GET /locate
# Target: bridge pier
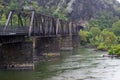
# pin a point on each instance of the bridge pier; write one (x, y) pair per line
(66, 43)
(69, 42)
(45, 47)
(16, 56)
(22, 55)
(75, 41)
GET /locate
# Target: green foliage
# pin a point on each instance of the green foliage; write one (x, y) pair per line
(60, 16)
(114, 50)
(83, 36)
(102, 47)
(36, 7)
(108, 37)
(94, 35)
(12, 5)
(101, 39)
(51, 11)
(117, 9)
(105, 20)
(20, 4)
(15, 20)
(32, 5)
(95, 41)
(3, 19)
(116, 28)
(118, 39)
(1, 6)
(95, 31)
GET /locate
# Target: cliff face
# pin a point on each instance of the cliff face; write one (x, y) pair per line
(78, 10)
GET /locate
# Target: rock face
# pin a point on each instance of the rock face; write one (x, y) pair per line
(78, 10)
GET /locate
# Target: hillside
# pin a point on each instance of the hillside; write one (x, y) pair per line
(82, 10)
(76, 10)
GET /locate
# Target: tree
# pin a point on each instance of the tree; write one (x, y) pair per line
(95, 32)
(108, 37)
(3, 19)
(60, 16)
(104, 20)
(83, 36)
(116, 28)
(19, 5)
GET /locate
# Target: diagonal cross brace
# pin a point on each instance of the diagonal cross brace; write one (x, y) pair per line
(8, 20)
(31, 23)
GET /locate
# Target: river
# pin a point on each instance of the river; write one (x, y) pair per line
(80, 64)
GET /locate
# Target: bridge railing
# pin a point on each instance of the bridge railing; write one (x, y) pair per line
(45, 25)
(36, 24)
(17, 23)
(13, 30)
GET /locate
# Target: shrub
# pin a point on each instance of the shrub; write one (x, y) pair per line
(114, 50)
(116, 28)
(102, 47)
(83, 36)
(3, 19)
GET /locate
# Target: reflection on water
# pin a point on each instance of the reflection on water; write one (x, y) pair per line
(82, 64)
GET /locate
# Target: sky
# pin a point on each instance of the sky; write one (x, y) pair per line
(118, 0)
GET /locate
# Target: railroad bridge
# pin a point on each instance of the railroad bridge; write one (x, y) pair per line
(28, 34)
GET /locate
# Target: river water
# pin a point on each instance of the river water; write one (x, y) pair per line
(80, 64)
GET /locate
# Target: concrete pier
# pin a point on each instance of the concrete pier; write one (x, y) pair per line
(75, 41)
(16, 56)
(66, 43)
(23, 55)
(45, 47)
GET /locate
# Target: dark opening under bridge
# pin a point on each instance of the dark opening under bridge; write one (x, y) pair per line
(44, 30)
